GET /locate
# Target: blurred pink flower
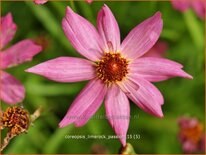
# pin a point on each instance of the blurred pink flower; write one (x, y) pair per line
(158, 50)
(44, 1)
(89, 1)
(40, 1)
(12, 91)
(191, 135)
(197, 5)
(117, 71)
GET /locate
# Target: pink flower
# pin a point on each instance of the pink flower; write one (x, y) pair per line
(89, 1)
(197, 5)
(117, 71)
(12, 91)
(44, 1)
(40, 1)
(158, 50)
(191, 135)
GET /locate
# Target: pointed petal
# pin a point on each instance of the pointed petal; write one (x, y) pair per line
(141, 39)
(65, 69)
(108, 29)
(118, 111)
(82, 35)
(91, 95)
(21, 52)
(91, 110)
(12, 91)
(8, 30)
(147, 96)
(157, 69)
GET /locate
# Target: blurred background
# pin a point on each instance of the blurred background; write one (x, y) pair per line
(183, 39)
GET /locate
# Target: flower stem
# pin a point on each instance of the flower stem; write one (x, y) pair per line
(73, 6)
(128, 149)
(7, 139)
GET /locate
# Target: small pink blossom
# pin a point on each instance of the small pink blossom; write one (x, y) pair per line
(12, 91)
(117, 71)
(191, 135)
(158, 50)
(197, 5)
(44, 1)
(89, 1)
(40, 1)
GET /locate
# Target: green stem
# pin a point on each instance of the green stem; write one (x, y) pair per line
(128, 149)
(73, 6)
(194, 28)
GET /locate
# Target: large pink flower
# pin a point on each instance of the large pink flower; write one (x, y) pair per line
(117, 71)
(197, 5)
(12, 91)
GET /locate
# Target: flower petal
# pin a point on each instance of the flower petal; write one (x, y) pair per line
(108, 29)
(86, 102)
(8, 30)
(147, 96)
(91, 110)
(118, 111)
(157, 69)
(65, 69)
(141, 39)
(21, 52)
(82, 35)
(12, 91)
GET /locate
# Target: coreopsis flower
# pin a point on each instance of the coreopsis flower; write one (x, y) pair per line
(116, 71)
(191, 135)
(12, 91)
(197, 5)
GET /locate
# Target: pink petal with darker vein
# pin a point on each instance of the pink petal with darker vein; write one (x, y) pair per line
(8, 30)
(157, 69)
(108, 29)
(65, 69)
(82, 35)
(141, 39)
(21, 52)
(12, 91)
(147, 96)
(118, 111)
(86, 103)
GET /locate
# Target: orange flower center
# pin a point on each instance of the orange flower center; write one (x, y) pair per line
(193, 133)
(16, 119)
(112, 68)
